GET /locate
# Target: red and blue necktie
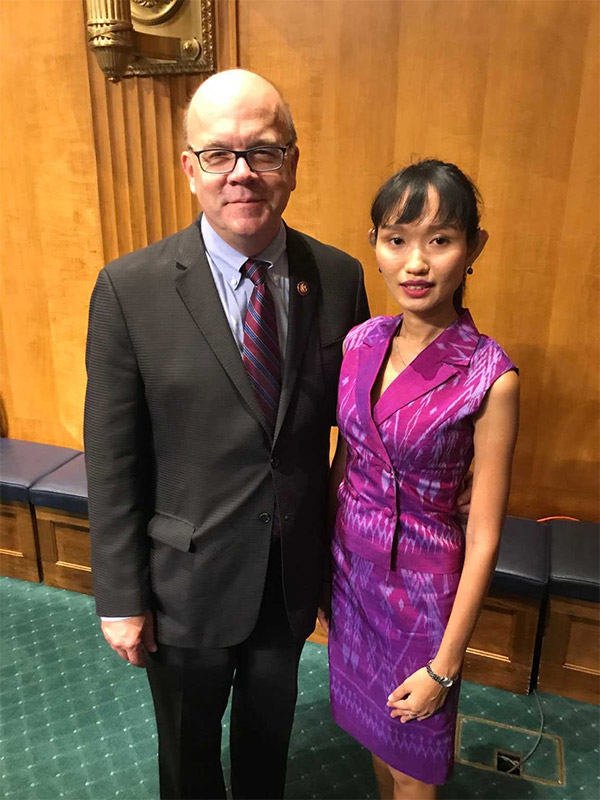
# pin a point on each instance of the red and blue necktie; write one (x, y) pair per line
(260, 353)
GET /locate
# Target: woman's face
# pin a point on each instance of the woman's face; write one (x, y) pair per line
(423, 262)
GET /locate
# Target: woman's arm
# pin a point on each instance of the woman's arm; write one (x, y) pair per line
(336, 475)
(496, 428)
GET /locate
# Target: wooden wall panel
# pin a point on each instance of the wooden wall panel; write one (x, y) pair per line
(138, 127)
(51, 234)
(90, 170)
(566, 451)
(138, 133)
(509, 91)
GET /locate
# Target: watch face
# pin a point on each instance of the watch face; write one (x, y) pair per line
(447, 682)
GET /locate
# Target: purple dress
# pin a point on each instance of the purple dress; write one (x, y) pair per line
(398, 548)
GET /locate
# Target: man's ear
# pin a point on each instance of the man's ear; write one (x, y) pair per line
(187, 164)
(372, 236)
(294, 157)
(480, 243)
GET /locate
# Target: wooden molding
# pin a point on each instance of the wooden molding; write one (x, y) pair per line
(65, 550)
(226, 21)
(19, 552)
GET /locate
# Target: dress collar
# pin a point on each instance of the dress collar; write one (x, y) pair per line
(455, 345)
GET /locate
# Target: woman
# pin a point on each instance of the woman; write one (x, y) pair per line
(420, 394)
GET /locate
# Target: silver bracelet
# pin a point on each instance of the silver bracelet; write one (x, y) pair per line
(441, 679)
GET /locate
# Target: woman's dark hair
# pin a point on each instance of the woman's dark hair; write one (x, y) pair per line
(403, 199)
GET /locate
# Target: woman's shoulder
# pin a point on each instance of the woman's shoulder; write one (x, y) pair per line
(374, 328)
(491, 359)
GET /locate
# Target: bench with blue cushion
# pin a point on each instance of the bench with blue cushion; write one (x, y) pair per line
(570, 660)
(22, 464)
(60, 502)
(503, 649)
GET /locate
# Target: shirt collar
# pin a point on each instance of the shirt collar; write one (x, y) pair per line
(229, 261)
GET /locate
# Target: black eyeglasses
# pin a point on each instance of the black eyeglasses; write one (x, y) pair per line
(267, 158)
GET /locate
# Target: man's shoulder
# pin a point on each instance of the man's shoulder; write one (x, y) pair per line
(156, 257)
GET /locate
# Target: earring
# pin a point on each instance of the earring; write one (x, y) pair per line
(379, 269)
(469, 270)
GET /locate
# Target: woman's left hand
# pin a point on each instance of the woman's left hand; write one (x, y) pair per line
(418, 697)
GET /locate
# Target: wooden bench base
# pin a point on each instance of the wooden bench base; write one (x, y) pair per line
(19, 556)
(570, 660)
(65, 549)
(501, 650)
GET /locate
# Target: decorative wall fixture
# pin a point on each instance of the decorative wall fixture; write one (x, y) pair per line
(151, 37)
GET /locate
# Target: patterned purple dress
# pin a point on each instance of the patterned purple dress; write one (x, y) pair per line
(398, 549)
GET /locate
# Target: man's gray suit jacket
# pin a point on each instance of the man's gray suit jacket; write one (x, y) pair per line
(184, 479)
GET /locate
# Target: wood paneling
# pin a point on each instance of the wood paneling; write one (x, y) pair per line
(509, 91)
(51, 234)
(90, 171)
(19, 557)
(501, 650)
(570, 660)
(64, 550)
(138, 129)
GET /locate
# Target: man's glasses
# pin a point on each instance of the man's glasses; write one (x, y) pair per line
(259, 159)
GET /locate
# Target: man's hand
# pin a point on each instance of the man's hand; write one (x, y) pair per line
(323, 617)
(324, 610)
(463, 501)
(131, 638)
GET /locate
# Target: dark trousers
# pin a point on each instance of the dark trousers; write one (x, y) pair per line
(190, 688)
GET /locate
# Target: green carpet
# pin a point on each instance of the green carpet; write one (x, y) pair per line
(77, 722)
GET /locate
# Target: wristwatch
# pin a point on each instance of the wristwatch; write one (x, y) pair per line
(441, 679)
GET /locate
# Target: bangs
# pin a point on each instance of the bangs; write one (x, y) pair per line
(404, 198)
(415, 205)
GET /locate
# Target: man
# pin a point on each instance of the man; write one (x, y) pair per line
(213, 359)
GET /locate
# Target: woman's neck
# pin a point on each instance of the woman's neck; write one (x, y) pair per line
(421, 328)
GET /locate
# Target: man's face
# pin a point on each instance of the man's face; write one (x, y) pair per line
(243, 207)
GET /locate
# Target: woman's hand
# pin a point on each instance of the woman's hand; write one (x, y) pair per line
(418, 697)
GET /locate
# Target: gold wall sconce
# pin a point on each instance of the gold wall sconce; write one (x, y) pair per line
(151, 37)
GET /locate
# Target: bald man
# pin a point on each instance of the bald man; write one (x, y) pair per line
(207, 486)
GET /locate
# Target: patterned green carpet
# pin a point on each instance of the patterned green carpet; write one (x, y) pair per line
(77, 722)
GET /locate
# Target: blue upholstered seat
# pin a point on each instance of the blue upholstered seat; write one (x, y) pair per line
(575, 559)
(523, 561)
(64, 489)
(24, 463)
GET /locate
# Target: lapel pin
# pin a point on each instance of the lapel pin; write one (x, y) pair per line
(303, 288)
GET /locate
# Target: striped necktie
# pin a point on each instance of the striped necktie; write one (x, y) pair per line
(260, 353)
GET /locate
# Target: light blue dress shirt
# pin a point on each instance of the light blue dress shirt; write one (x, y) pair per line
(234, 290)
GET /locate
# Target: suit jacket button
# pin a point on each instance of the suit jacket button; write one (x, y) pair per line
(274, 462)
(264, 517)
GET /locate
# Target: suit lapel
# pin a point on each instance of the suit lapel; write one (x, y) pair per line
(447, 356)
(304, 297)
(196, 287)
